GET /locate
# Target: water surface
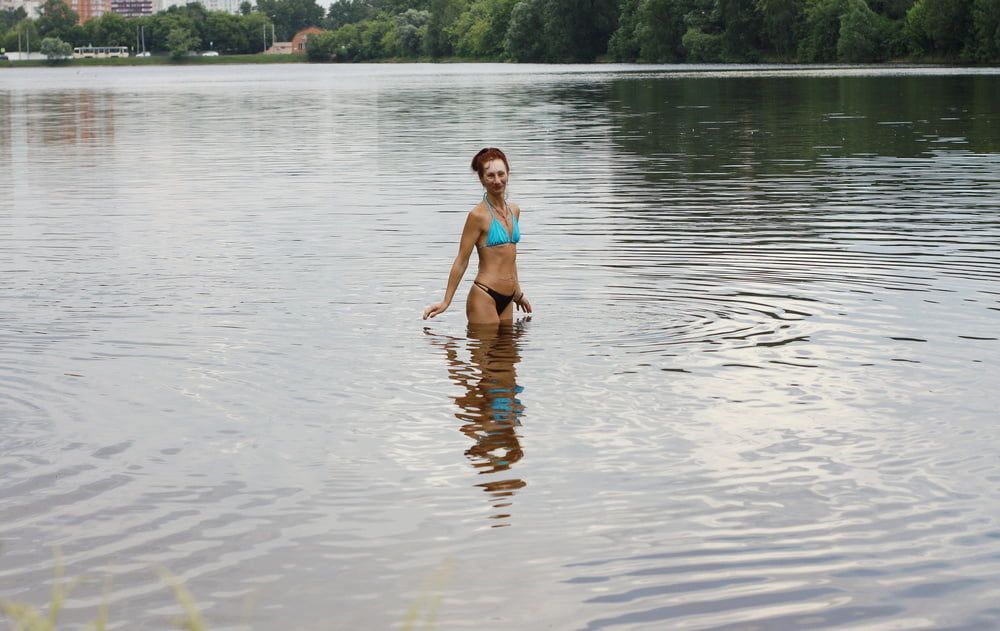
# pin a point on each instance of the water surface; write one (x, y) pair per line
(758, 391)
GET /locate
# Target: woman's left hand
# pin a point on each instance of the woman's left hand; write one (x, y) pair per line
(523, 304)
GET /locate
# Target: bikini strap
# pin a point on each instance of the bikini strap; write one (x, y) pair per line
(489, 205)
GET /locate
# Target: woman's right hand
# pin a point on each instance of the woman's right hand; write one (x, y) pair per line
(435, 309)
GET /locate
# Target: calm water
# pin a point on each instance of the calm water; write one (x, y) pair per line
(759, 391)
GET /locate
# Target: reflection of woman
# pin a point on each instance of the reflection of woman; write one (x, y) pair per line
(489, 406)
(492, 228)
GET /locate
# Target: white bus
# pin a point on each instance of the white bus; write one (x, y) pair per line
(99, 52)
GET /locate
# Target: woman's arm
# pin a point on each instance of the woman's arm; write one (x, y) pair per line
(470, 234)
(519, 299)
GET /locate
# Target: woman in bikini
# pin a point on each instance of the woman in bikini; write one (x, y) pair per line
(492, 230)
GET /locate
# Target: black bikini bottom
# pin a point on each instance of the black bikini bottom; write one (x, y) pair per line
(500, 300)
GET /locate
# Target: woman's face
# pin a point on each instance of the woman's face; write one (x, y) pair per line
(494, 177)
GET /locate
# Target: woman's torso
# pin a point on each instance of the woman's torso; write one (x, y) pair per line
(497, 247)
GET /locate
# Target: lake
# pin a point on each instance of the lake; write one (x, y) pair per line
(759, 389)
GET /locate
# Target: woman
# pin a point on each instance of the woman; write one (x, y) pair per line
(492, 229)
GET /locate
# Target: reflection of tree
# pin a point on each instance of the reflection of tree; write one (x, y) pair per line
(489, 407)
(766, 149)
(781, 125)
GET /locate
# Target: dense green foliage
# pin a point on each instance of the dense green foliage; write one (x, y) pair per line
(55, 49)
(820, 31)
(852, 31)
(290, 16)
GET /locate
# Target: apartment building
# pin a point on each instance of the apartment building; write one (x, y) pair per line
(88, 9)
(132, 8)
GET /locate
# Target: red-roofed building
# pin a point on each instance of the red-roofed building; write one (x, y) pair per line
(302, 37)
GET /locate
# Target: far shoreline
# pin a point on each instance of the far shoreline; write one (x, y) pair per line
(267, 59)
(157, 60)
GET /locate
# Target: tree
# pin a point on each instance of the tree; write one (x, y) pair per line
(892, 9)
(344, 12)
(701, 47)
(821, 30)
(439, 35)
(180, 42)
(862, 34)
(661, 29)
(56, 20)
(226, 33)
(470, 30)
(194, 10)
(480, 30)
(246, 8)
(915, 28)
(939, 26)
(781, 22)
(196, 16)
(370, 39)
(291, 16)
(411, 31)
(55, 49)
(110, 29)
(322, 47)
(947, 24)
(395, 7)
(986, 25)
(578, 30)
(159, 25)
(254, 27)
(624, 42)
(498, 14)
(371, 36)
(10, 17)
(25, 32)
(523, 41)
(741, 34)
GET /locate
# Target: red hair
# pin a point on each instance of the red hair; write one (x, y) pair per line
(485, 156)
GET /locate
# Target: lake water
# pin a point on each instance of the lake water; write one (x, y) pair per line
(759, 389)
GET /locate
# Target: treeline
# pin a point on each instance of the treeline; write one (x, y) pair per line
(853, 31)
(808, 31)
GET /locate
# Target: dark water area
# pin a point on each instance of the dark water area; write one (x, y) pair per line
(759, 390)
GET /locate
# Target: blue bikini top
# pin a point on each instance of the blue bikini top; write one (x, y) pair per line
(498, 233)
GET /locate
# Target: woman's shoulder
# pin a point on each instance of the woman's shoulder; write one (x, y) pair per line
(516, 207)
(479, 214)
(479, 210)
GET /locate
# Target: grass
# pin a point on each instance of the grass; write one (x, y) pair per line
(421, 614)
(27, 618)
(192, 620)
